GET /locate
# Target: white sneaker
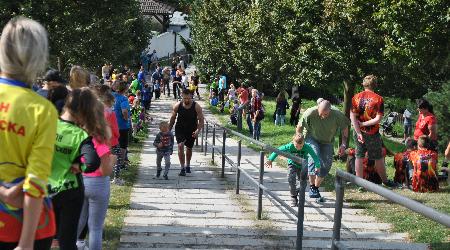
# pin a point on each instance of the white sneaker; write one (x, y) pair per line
(81, 245)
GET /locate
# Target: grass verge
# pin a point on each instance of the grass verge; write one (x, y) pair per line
(119, 201)
(419, 228)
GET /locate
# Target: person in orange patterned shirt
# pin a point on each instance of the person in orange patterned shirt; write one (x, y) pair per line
(366, 113)
(424, 162)
(402, 164)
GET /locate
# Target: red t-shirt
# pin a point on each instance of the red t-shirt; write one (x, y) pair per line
(243, 95)
(111, 118)
(422, 125)
(367, 105)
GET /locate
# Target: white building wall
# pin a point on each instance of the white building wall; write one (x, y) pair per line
(164, 43)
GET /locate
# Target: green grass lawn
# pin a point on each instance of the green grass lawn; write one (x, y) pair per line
(120, 197)
(419, 228)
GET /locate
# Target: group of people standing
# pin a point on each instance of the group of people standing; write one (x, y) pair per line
(61, 144)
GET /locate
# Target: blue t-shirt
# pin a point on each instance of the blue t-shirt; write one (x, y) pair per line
(146, 94)
(156, 76)
(141, 76)
(121, 103)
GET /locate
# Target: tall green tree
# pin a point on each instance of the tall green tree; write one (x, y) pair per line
(86, 32)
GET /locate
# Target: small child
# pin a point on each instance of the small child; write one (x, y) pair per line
(157, 89)
(299, 148)
(164, 147)
(234, 112)
(213, 99)
(146, 98)
(424, 161)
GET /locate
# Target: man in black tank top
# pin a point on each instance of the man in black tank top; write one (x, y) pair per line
(189, 122)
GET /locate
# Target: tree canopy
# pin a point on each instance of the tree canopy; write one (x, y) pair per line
(85, 32)
(330, 44)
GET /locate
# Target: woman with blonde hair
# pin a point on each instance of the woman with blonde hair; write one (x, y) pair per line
(26, 213)
(78, 78)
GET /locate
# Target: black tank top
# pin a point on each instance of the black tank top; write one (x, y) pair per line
(186, 118)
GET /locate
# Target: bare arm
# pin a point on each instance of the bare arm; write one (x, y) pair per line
(31, 216)
(200, 117)
(447, 152)
(373, 121)
(299, 129)
(355, 123)
(174, 115)
(106, 164)
(433, 132)
(344, 135)
(125, 114)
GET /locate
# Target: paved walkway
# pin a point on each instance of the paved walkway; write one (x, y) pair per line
(201, 211)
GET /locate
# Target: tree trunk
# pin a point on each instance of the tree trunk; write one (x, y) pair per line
(349, 91)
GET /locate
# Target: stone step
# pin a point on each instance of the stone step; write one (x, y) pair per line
(232, 222)
(274, 215)
(210, 242)
(137, 205)
(229, 232)
(251, 243)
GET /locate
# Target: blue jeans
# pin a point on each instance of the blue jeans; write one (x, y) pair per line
(279, 120)
(325, 153)
(96, 200)
(256, 130)
(249, 124)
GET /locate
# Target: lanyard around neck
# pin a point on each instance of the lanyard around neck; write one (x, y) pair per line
(13, 82)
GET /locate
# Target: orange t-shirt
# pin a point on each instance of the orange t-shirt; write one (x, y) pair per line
(367, 105)
(422, 124)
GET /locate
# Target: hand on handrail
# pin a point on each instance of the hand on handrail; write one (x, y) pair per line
(268, 164)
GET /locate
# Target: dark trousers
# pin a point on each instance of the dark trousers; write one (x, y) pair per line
(67, 206)
(176, 90)
(43, 244)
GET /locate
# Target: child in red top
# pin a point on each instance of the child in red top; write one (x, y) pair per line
(424, 162)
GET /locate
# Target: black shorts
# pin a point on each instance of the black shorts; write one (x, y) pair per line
(185, 136)
(123, 138)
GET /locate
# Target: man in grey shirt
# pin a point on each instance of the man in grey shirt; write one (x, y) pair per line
(319, 125)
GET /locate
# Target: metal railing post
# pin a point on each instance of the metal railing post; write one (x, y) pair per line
(206, 138)
(239, 120)
(213, 142)
(261, 180)
(238, 171)
(301, 206)
(338, 212)
(203, 131)
(224, 138)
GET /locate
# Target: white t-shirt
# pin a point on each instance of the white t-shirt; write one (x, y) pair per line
(184, 81)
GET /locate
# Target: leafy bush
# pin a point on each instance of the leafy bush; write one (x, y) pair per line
(440, 100)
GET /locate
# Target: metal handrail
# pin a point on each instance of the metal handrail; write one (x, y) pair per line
(413, 205)
(262, 190)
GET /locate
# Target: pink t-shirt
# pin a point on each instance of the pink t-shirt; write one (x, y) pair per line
(111, 118)
(102, 150)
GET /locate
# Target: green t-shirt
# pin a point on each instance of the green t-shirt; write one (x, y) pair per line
(323, 130)
(303, 153)
(135, 86)
(69, 138)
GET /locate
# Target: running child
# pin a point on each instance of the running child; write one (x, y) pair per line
(164, 148)
(299, 148)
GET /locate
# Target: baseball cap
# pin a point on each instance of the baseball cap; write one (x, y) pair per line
(54, 75)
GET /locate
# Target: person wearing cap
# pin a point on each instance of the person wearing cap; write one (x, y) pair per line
(52, 79)
(319, 125)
